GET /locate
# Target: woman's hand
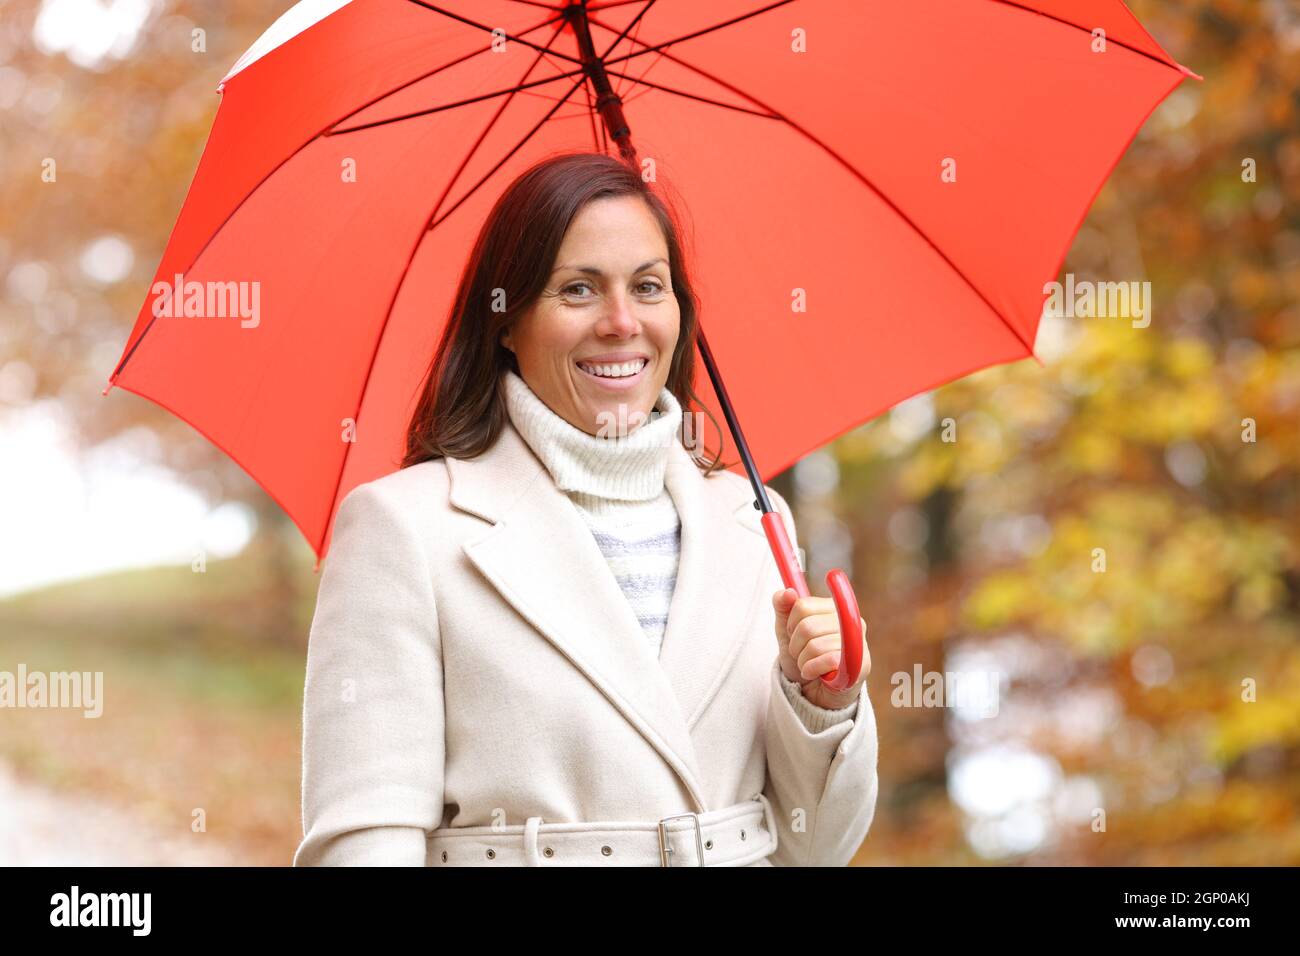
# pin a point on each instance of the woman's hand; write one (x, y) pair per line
(808, 638)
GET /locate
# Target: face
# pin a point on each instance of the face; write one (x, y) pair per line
(602, 333)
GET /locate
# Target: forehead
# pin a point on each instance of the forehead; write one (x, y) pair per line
(613, 230)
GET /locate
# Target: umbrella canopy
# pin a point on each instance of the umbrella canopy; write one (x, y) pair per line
(875, 194)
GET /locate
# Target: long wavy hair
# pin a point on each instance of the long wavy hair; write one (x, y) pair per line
(462, 406)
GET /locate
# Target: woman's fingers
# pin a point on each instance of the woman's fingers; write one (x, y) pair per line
(783, 602)
(805, 607)
(815, 645)
(809, 628)
(822, 655)
(817, 660)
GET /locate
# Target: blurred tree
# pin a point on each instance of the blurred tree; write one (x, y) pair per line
(1171, 452)
(124, 136)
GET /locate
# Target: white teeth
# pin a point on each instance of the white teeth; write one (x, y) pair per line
(622, 370)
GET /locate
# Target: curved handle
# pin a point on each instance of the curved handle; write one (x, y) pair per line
(846, 603)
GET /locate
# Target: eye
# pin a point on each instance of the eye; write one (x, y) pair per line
(655, 287)
(569, 289)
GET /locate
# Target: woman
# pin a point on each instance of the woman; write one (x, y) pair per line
(556, 636)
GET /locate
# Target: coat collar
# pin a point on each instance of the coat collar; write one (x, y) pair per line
(541, 556)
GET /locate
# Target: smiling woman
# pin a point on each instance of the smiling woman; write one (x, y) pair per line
(579, 264)
(613, 287)
(538, 643)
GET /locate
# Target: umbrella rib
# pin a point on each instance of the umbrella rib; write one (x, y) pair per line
(323, 132)
(493, 121)
(692, 96)
(1109, 39)
(864, 180)
(634, 22)
(438, 69)
(636, 81)
(510, 90)
(502, 161)
(543, 96)
(636, 32)
(666, 55)
(406, 270)
(637, 95)
(1010, 3)
(488, 29)
(691, 36)
(593, 21)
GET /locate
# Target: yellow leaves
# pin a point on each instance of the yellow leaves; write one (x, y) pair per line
(981, 447)
(1257, 370)
(1163, 412)
(1187, 359)
(1021, 406)
(930, 467)
(1096, 628)
(965, 447)
(1154, 412)
(861, 445)
(1257, 595)
(1244, 804)
(1071, 535)
(1272, 718)
(1137, 384)
(1135, 563)
(999, 599)
(1132, 510)
(1093, 452)
(1190, 565)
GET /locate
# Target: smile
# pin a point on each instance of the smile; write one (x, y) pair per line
(615, 375)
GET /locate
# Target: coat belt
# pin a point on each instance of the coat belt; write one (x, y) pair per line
(737, 835)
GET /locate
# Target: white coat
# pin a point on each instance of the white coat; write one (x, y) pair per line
(472, 662)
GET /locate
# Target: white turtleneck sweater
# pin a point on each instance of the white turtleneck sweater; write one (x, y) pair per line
(617, 485)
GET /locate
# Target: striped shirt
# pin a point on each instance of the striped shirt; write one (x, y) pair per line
(641, 544)
(617, 486)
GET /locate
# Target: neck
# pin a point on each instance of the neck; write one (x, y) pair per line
(627, 468)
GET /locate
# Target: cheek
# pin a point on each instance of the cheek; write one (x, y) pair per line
(564, 339)
(670, 331)
(548, 337)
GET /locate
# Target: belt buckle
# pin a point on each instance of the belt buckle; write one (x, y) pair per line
(665, 849)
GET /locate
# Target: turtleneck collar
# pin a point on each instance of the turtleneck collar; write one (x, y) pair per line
(630, 468)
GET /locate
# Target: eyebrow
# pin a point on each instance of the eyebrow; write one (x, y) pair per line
(593, 271)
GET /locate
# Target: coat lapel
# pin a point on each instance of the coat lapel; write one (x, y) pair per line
(542, 558)
(709, 618)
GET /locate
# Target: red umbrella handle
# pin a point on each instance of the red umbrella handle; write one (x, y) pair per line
(846, 603)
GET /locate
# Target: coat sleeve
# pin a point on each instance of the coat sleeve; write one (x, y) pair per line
(373, 744)
(813, 717)
(821, 769)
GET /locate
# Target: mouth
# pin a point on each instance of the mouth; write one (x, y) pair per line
(615, 376)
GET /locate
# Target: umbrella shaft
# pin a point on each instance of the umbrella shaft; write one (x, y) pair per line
(608, 103)
(755, 481)
(611, 111)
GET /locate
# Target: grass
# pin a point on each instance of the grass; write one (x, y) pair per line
(202, 696)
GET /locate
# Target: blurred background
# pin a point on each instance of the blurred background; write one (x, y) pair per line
(1115, 533)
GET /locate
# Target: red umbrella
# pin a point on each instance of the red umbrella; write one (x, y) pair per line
(877, 193)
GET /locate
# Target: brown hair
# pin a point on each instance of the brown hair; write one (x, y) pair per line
(462, 407)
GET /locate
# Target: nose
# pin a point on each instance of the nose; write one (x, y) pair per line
(617, 319)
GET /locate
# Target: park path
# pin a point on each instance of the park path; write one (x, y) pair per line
(43, 827)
